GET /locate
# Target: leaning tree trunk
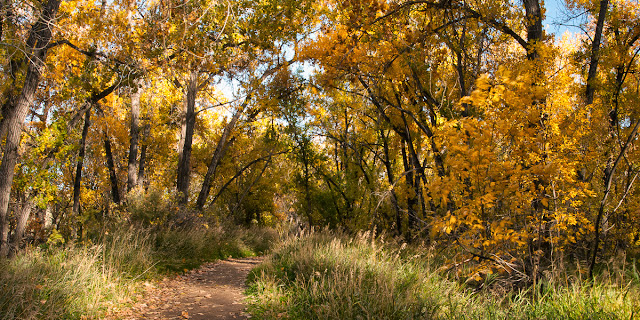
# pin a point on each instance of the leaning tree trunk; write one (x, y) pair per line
(218, 154)
(186, 138)
(608, 178)
(215, 160)
(37, 45)
(253, 183)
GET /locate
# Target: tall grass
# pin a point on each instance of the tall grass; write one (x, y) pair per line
(331, 276)
(87, 281)
(60, 284)
(180, 249)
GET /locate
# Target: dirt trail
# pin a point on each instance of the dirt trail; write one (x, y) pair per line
(213, 291)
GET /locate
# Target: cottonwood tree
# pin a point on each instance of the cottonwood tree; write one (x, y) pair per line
(29, 63)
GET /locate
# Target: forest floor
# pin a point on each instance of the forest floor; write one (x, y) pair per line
(213, 291)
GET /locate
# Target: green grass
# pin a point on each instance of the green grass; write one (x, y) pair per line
(331, 276)
(87, 281)
(325, 275)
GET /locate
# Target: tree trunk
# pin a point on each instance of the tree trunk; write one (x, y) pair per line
(391, 179)
(533, 20)
(307, 189)
(595, 51)
(253, 183)
(186, 138)
(39, 38)
(77, 179)
(134, 138)
(3, 8)
(21, 226)
(419, 174)
(143, 158)
(115, 192)
(412, 201)
(7, 113)
(221, 147)
(218, 154)
(608, 178)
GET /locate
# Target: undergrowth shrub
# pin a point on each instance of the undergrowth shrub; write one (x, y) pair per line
(150, 207)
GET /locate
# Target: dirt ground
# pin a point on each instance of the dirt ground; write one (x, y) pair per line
(214, 291)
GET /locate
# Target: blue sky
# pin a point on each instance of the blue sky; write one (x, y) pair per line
(556, 12)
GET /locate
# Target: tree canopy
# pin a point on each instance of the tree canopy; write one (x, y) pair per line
(465, 124)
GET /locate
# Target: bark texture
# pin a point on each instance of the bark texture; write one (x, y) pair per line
(534, 26)
(134, 139)
(143, 158)
(186, 138)
(595, 51)
(21, 225)
(113, 178)
(78, 177)
(39, 39)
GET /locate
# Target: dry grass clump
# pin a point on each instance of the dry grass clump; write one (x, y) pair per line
(328, 275)
(88, 280)
(61, 284)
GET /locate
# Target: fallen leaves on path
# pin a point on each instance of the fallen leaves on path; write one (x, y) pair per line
(214, 291)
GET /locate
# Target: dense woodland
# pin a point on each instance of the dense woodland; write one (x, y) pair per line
(461, 124)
